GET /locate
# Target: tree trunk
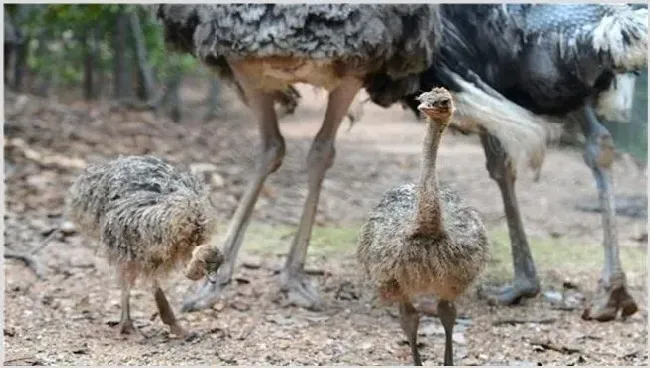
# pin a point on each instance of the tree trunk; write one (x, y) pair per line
(8, 49)
(174, 96)
(213, 99)
(170, 101)
(46, 77)
(20, 64)
(145, 72)
(100, 68)
(122, 86)
(14, 43)
(87, 40)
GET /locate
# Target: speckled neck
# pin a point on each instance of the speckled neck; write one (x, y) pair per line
(429, 214)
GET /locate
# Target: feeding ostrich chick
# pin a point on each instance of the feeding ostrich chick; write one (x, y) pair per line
(267, 47)
(149, 217)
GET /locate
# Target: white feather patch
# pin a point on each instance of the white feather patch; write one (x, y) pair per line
(608, 37)
(615, 104)
(522, 133)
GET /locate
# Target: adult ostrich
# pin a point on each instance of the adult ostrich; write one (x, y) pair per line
(264, 48)
(545, 63)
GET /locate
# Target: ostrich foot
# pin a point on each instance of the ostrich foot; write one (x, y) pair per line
(300, 292)
(181, 333)
(127, 328)
(607, 302)
(178, 331)
(514, 293)
(204, 298)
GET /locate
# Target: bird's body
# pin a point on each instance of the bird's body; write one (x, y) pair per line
(318, 44)
(401, 264)
(547, 58)
(147, 215)
(263, 49)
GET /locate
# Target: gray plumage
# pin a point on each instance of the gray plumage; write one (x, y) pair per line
(361, 39)
(422, 239)
(443, 265)
(149, 217)
(144, 211)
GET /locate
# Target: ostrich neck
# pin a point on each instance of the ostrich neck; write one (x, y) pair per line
(429, 212)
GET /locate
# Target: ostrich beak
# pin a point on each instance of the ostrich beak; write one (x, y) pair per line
(212, 277)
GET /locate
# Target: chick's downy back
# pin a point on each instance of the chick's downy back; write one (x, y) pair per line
(142, 209)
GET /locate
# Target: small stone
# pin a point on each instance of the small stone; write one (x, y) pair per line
(68, 228)
(217, 181)
(366, 345)
(459, 338)
(240, 306)
(554, 297)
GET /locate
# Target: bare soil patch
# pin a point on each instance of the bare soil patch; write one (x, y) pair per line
(66, 318)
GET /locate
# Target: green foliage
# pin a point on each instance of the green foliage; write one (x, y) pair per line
(59, 36)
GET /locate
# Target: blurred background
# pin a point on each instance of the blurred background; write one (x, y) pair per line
(95, 51)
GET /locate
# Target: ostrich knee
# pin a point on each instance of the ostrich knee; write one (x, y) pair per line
(599, 156)
(319, 160)
(498, 164)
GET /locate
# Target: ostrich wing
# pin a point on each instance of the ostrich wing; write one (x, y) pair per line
(615, 33)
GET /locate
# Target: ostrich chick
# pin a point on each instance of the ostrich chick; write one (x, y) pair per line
(422, 239)
(149, 217)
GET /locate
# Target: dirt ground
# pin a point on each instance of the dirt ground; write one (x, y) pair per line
(68, 317)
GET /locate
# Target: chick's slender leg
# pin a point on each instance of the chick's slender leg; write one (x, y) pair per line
(126, 326)
(526, 283)
(410, 320)
(447, 315)
(126, 323)
(612, 293)
(166, 312)
(319, 159)
(268, 161)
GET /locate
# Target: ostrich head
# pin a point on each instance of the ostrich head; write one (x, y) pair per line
(206, 259)
(437, 105)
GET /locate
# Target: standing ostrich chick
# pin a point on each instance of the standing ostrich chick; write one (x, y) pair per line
(264, 48)
(150, 217)
(423, 239)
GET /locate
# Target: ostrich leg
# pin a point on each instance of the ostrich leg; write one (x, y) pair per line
(612, 292)
(126, 326)
(525, 283)
(319, 159)
(410, 320)
(447, 312)
(165, 311)
(267, 162)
